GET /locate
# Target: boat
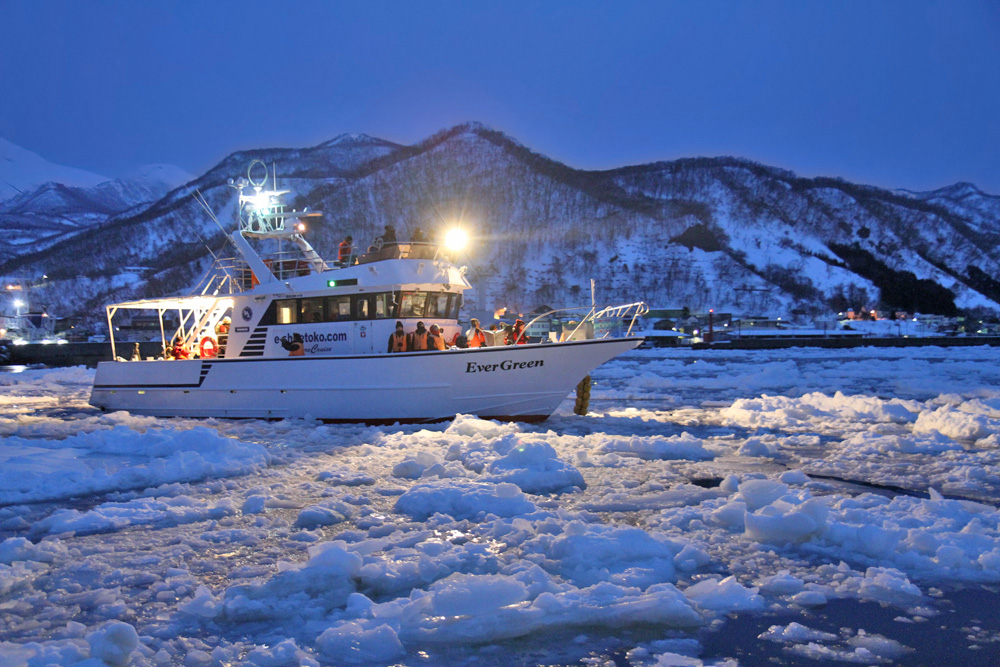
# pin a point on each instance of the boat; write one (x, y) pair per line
(286, 334)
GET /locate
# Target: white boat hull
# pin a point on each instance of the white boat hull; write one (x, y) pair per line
(521, 382)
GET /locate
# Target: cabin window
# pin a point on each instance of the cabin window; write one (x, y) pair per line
(413, 304)
(288, 311)
(311, 310)
(360, 307)
(437, 304)
(338, 308)
(383, 305)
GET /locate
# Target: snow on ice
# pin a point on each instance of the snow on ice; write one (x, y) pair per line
(700, 485)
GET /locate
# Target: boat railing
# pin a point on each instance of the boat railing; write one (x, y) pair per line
(637, 310)
(380, 251)
(235, 274)
(227, 275)
(619, 312)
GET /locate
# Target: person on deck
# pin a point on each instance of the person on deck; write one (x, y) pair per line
(435, 340)
(397, 339)
(516, 335)
(418, 338)
(419, 236)
(345, 250)
(475, 335)
(222, 334)
(179, 351)
(389, 236)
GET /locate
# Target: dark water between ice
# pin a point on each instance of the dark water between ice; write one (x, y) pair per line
(966, 632)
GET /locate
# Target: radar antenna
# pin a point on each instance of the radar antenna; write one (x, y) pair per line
(262, 214)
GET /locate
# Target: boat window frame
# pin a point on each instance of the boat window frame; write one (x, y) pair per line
(291, 306)
(312, 305)
(295, 308)
(334, 306)
(412, 304)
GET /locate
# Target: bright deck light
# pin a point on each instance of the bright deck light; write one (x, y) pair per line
(455, 239)
(262, 201)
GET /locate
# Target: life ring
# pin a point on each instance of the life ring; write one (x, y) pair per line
(208, 348)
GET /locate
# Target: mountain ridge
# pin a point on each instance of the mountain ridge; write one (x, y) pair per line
(723, 232)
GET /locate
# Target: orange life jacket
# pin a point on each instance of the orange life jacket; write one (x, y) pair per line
(398, 342)
(419, 340)
(436, 340)
(477, 339)
(519, 337)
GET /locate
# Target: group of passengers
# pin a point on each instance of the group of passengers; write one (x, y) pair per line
(512, 334)
(433, 339)
(417, 340)
(207, 348)
(346, 255)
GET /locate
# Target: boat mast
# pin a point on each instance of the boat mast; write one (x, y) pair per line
(262, 215)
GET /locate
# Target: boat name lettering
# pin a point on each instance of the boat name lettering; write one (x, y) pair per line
(314, 337)
(505, 365)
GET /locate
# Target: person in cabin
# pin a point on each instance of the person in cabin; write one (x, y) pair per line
(296, 346)
(418, 338)
(345, 250)
(419, 236)
(475, 335)
(518, 337)
(397, 339)
(435, 339)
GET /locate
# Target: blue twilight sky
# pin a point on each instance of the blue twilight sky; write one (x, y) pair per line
(895, 93)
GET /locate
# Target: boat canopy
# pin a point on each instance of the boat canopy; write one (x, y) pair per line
(197, 316)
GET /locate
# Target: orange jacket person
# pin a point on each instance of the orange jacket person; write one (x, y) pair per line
(435, 341)
(475, 334)
(344, 250)
(516, 336)
(418, 339)
(179, 351)
(397, 340)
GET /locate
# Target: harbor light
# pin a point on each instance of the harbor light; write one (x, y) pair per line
(455, 239)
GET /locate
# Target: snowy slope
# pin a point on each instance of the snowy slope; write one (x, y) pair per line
(719, 233)
(21, 171)
(37, 218)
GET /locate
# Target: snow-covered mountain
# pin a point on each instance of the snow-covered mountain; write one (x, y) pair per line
(719, 233)
(52, 203)
(21, 171)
